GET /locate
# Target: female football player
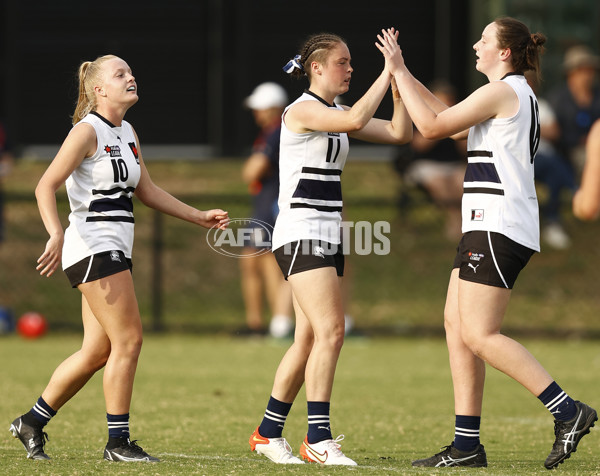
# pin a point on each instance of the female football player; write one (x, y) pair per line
(501, 232)
(102, 164)
(306, 238)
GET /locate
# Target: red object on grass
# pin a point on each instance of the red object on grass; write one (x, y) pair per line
(32, 325)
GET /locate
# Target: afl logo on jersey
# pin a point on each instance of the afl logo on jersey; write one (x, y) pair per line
(113, 150)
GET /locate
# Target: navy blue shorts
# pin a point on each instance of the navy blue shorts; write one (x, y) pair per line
(304, 255)
(98, 266)
(490, 258)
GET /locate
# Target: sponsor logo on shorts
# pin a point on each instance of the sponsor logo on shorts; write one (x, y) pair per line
(474, 267)
(319, 251)
(114, 256)
(476, 256)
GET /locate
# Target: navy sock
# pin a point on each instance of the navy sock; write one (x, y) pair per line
(319, 428)
(118, 425)
(42, 412)
(558, 402)
(274, 419)
(466, 432)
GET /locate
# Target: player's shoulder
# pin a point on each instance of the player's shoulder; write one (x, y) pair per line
(306, 101)
(499, 92)
(494, 87)
(82, 137)
(489, 96)
(83, 130)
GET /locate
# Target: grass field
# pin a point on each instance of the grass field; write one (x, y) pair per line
(198, 398)
(400, 293)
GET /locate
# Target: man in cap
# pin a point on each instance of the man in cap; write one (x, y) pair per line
(259, 270)
(577, 103)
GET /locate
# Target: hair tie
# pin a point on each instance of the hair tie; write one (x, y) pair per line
(293, 63)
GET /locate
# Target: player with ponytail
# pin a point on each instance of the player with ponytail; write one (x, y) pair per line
(501, 233)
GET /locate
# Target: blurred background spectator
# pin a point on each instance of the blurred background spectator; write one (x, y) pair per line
(554, 171)
(437, 166)
(210, 118)
(260, 274)
(576, 103)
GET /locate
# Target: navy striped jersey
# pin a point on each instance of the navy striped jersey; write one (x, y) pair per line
(100, 194)
(310, 191)
(499, 189)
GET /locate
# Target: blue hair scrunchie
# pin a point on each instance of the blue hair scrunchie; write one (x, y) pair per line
(293, 63)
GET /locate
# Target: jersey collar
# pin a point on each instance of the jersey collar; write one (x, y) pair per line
(104, 119)
(318, 98)
(510, 73)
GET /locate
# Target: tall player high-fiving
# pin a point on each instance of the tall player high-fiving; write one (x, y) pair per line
(500, 223)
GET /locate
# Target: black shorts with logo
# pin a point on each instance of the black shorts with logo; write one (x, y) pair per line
(98, 266)
(304, 255)
(490, 258)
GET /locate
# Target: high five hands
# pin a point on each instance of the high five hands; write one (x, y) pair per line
(388, 45)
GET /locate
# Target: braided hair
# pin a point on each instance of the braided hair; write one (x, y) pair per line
(315, 48)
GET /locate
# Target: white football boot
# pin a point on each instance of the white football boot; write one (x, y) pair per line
(325, 452)
(277, 450)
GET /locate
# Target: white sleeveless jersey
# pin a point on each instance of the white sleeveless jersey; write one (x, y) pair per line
(310, 191)
(499, 189)
(100, 192)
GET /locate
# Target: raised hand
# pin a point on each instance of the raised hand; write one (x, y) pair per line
(388, 45)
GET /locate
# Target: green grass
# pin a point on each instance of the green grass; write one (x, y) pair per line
(402, 292)
(198, 398)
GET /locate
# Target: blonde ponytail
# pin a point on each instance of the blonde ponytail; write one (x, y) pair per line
(90, 76)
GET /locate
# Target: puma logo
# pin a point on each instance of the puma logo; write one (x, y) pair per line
(474, 267)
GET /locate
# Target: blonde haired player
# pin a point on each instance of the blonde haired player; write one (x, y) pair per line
(102, 164)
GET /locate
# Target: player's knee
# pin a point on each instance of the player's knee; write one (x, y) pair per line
(135, 346)
(451, 325)
(129, 347)
(335, 338)
(474, 342)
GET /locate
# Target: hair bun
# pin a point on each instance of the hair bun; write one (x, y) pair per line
(538, 39)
